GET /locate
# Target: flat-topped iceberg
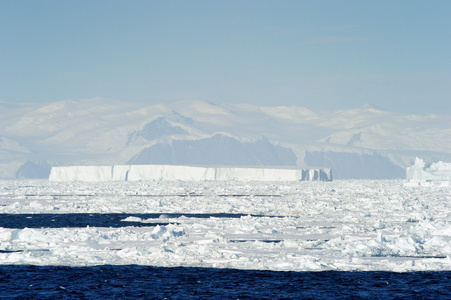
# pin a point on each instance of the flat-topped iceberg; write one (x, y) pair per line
(436, 171)
(185, 173)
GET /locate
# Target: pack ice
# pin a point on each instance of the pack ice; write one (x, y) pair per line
(344, 225)
(185, 173)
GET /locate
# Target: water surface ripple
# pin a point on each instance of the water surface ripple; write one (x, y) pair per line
(133, 281)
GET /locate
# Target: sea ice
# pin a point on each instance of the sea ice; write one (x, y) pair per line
(287, 226)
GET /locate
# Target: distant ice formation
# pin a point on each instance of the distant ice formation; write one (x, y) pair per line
(436, 171)
(185, 173)
(360, 143)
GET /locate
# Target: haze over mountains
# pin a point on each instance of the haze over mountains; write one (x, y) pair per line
(360, 143)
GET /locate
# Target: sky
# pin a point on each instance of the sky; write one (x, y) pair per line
(323, 55)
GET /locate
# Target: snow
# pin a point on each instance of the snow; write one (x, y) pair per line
(287, 225)
(102, 131)
(185, 173)
(436, 171)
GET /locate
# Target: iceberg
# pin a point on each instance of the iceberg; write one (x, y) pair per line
(436, 171)
(186, 173)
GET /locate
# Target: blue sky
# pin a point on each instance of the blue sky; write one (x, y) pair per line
(317, 54)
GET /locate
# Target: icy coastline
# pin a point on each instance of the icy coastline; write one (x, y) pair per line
(185, 173)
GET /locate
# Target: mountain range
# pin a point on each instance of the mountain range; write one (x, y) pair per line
(361, 143)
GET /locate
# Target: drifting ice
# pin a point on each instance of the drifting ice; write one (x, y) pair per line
(436, 171)
(185, 173)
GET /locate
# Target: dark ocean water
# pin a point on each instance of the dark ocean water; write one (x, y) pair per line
(94, 220)
(144, 282)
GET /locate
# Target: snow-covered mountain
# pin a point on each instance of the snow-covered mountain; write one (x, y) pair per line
(358, 143)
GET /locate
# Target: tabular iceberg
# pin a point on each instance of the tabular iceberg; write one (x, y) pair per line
(436, 171)
(185, 173)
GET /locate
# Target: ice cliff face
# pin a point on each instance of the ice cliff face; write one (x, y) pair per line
(184, 173)
(436, 171)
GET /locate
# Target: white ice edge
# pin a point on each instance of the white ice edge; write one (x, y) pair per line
(185, 173)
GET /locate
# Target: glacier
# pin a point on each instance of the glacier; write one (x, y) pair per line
(363, 143)
(186, 173)
(436, 171)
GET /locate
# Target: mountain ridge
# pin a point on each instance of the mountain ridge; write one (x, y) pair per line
(101, 131)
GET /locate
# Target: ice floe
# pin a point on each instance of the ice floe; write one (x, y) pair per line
(298, 226)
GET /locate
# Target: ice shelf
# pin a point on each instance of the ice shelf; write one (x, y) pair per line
(185, 173)
(436, 171)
